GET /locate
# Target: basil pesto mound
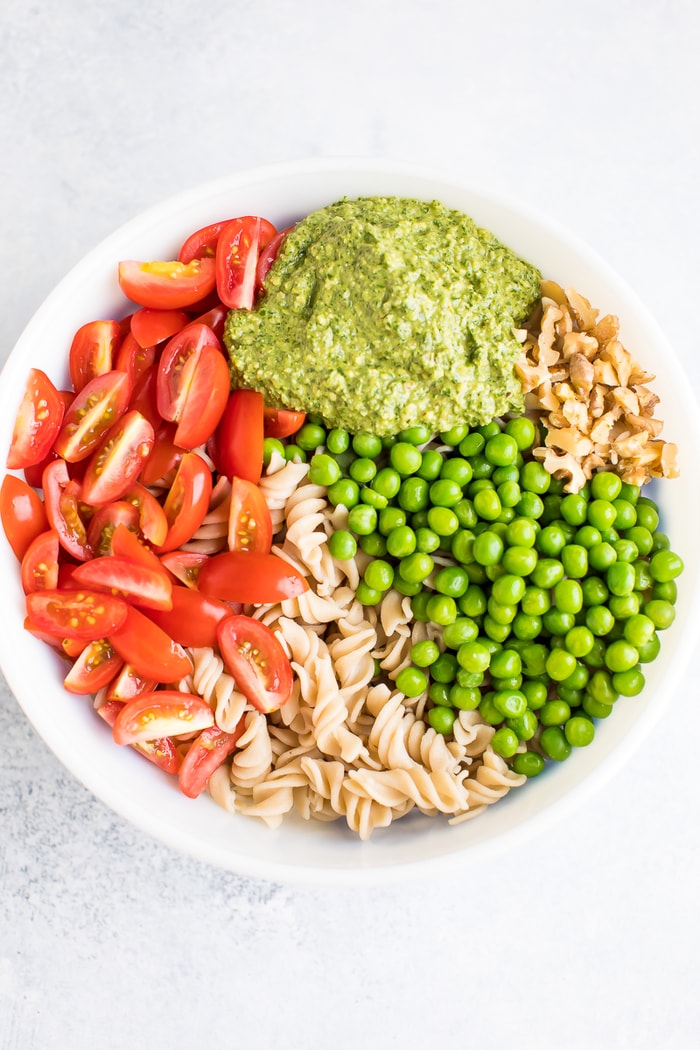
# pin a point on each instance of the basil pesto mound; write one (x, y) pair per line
(384, 312)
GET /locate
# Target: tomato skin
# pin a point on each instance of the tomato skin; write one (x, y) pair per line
(149, 650)
(250, 523)
(167, 285)
(135, 582)
(153, 523)
(150, 327)
(215, 318)
(165, 712)
(92, 351)
(128, 683)
(202, 242)
(98, 405)
(282, 422)
(22, 512)
(239, 245)
(118, 461)
(162, 752)
(93, 669)
(62, 500)
(134, 359)
(187, 502)
(83, 614)
(184, 565)
(193, 384)
(257, 661)
(39, 569)
(192, 619)
(206, 753)
(161, 466)
(105, 521)
(268, 255)
(240, 436)
(237, 576)
(37, 423)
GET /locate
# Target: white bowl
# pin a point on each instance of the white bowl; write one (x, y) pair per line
(319, 852)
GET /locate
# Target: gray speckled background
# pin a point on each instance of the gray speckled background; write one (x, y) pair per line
(583, 937)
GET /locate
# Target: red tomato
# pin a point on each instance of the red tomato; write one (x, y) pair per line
(282, 422)
(62, 497)
(134, 359)
(149, 650)
(167, 285)
(202, 242)
(105, 522)
(240, 436)
(193, 384)
(215, 319)
(193, 617)
(76, 613)
(205, 754)
(119, 460)
(94, 668)
(40, 563)
(145, 397)
(50, 639)
(257, 661)
(72, 647)
(37, 423)
(162, 753)
(162, 464)
(22, 512)
(235, 576)
(153, 523)
(100, 403)
(268, 256)
(92, 351)
(187, 502)
(184, 565)
(128, 683)
(239, 245)
(131, 580)
(165, 712)
(249, 523)
(126, 544)
(150, 327)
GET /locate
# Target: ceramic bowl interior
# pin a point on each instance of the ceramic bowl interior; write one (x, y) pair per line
(313, 852)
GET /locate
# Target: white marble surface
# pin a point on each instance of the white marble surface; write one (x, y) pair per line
(584, 937)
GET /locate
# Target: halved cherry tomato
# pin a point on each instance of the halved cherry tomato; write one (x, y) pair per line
(239, 245)
(73, 647)
(134, 359)
(40, 563)
(193, 384)
(93, 351)
(94, 668)
(22, 512)
(119, 460)
(282, 422)
(193, 617)
(165, 712)
(106, 520)
(268, 256)
(150, 327)
(62, 500)
(37, 423)
(128, 683)
(145, 397)
(49, 639)
(162, 753)
(240, 436)
(135, 582)
(215, 318)
(257, 661)
(153, 523)
(205, 754)
(76, 613)
(235, 576)
(202, 242)
(126, 544)
(187, 502)
(249, 523)
(184, 565)
(97, 407)
(162, 464)
(148, 649)
(167, 285)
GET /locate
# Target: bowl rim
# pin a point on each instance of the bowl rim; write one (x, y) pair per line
(362, 872)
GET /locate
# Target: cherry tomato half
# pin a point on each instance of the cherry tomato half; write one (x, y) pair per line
(249, 524)
(22, 512)
(282, 422)
(193, 617)
(92, 351)
(97, 407)
(153, 523)
(62, 500)
(257, 661)
(240, 436)
(119, 460)
(193, 384)
(94, 668)
(39, 571)
(268, 256)
(235, 576)
(76, 613)
(165, 712)
(150, 327)
(202, 242)
(149, 650)
(239, 245)
(205, 754)
(167, 285)
(187, 502)
(162, 752)
(133, 581)
(37, 423)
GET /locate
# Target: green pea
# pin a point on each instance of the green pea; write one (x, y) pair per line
(665, 566)
(559, 665)
(443, 521)
(470, 679)
(457, 469)
(374, 544)
(474, 657)
(412, 681)
(488, 548)
(471, 444)
(270, 446)
(535, 693)
(535, 601)
(534, 478)
(601, 688)
(431, 465)
(622, 606)
(579, 641)
(373, 498)
(405, 458)
(501, 449)
(464, 698)
(554, 713)
(601, 514)
(508, 589)
(390, 518)
(310, 437)
(323, 470)
(547, 573)
(579, 731)
(523, 431)
(379, 575)
(554, 743)
(596, 708)
(587, 536)
(522, 532)
(401, 541)
(528, 764)
(427, 541)
(526, 627)
(605, 485)
(387, 482)
(505, 663)
(626, 550)
(439, 693)
(362, 469)
(660, 612)
(461, 630)
(501, 614)
(601, 556)
(294, 454)
(416, 435)
(442, 609)
(413, 494)
(337, 441)
(481, 467)
(573, 509)
(342, 545)
(445, 492)
(511, 703)
(366, 444)
(525, 725)
(620, 579)
(520, 561)
(641, 538)
(639, 629)
(550, 541)
(454, 435)
(362, 519)
(534, 658)
(416, 567)
(530, 505)
(649, 650)
(424, 653)
(487, 504)
(466, 515)
(647, 514)
(451, 580)
(368, 595)
(344, 492)
(628, 683)
(574, 558)
(505, 742)
(667, 591)
(441, 719)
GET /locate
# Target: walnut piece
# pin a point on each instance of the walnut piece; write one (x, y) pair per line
(590, 394)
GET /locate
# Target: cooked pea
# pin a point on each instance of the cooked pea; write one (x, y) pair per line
(415, 435)
(337, 441)
(574, 558)
(660, 612)
(412, 681)
(520, 561)
(522, 430)
(534, 478)
(620, 578)
(310, 437)
(505, 742)
(362, 470)
(413, 494)
(451, 580)
(366, 444)
(554, 712)
(427, 541)
(554, 743)
(579, 731)
(464, 698)
(442, 719)
(416, 567)
(472, 444)
(368, 595)
(345, 492)
(401, 541)
(387, 482)
(431, 464)
(379, 575)
(665, 566)
(362, 519)
(550, 541)
(342, 545)
(560, 664)
(443, 521)
(374, 544)
(271, 445)
(442, 609)
(461, 630)
(573, 509)
(528, 764)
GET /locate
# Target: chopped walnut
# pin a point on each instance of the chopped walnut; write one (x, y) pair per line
(590, 393)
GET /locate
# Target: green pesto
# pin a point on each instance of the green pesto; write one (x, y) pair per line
(384, 312)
